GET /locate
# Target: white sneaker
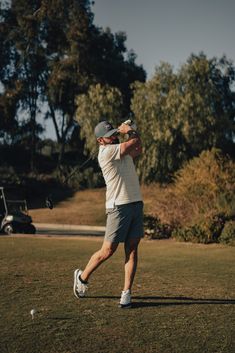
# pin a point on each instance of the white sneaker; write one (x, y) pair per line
(125, 301)
(79, 288)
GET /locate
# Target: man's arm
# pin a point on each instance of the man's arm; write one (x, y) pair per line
(133, 145)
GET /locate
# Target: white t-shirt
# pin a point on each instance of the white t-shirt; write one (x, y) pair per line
(122, 183)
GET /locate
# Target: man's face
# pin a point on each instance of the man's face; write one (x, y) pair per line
(112, 140)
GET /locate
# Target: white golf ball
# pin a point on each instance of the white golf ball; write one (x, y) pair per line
(33, 312)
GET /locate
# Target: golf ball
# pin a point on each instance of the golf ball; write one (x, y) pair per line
(33, 312)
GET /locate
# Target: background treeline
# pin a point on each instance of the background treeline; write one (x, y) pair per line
(179, 114)
(51, 52)
(57, 65)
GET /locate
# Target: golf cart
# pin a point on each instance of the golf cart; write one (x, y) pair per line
(14, 216)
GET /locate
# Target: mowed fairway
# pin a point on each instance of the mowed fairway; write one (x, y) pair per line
(183, 299)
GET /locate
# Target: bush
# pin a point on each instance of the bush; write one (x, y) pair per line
(208, 231)
(89, 178)
(194, 234)
(154, 229)
(207, 183)
(228, 233)
(8, 176)
(79, 179)
(203, 187)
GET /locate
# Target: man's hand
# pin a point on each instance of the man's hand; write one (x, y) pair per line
(133, 145)
(124, 128)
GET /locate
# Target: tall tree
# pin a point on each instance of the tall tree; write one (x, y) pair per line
(68, 25)
(55, 52)
(81, 54)
(100, 103)
(24, 62)
(155, 105)
(180, 114)
(113, 64)
(86, 55)
(10, 88)
(207, 102)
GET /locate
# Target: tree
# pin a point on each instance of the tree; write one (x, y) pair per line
(93, 56)
(9, 89)
(155, 105)
(112, 64)
(68, 25)
(55, 52)
(181, 114)
(207, 102)
(8, 108)
(23, 63)
(100, 103)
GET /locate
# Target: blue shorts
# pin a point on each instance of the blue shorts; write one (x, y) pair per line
(124, 222)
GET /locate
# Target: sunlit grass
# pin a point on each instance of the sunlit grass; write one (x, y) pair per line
(183, 298)
(86, 207)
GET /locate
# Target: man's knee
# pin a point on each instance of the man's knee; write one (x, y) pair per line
(108, 251)
(131, 248)
(132, 245)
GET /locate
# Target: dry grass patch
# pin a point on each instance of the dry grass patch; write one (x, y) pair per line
(85, 207)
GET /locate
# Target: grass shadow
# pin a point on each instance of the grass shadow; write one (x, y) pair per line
(60, 318)
(153, 301)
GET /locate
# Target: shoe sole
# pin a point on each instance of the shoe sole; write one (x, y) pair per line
(125, 306)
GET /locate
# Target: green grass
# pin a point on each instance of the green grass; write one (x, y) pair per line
(184, 299)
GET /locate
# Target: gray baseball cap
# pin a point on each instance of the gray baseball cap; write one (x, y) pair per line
(104, 129)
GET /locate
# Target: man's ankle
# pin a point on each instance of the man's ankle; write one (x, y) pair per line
(82, 279)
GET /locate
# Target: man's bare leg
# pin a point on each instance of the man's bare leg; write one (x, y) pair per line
(131, 252)
(98, 258)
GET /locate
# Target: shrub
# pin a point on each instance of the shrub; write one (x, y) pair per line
(154, 229)
(79, 179)
(208, 184)
(194, 234)
(89, 178)
(8, 176)
(203, 187)
(207, 231)
(228, 233)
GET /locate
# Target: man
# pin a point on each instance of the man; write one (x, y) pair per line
(124, 206)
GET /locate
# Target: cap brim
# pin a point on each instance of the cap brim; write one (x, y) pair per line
(111, 133)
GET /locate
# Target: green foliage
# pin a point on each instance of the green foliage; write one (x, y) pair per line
(113, 65)
(181, 114)
(194, 234)
(51, 52)
(152, 105)
(228, 233)
(22, 68)
(80, 179)
(208, 231)
(206, 102)
(8, 107)
(155, 229)
(8, 176)
(100, 103)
